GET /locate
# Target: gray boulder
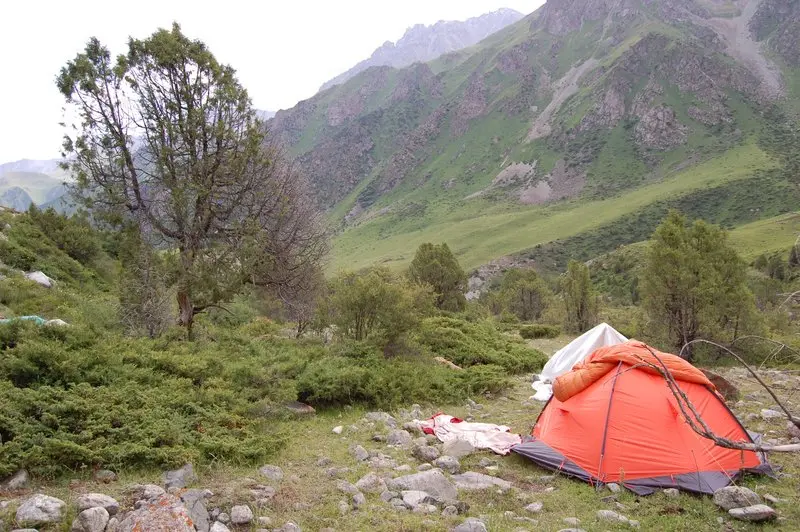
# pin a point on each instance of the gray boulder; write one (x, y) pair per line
(195, 503)
(426, 453)
(472, 481)
(371, 483)
(448, 463)
(755, 513)
(91, 520)
(163, 513)
(17, 482)
(346, 487)
(40, 509)
(735, 497)
(241, 515)
(398, 438)
(274, 473)
(359, 453)
(146, 491)
(97, 500)
(471, 525)
(179, 478)
(457, 448)
(432, 482)
(414, 498)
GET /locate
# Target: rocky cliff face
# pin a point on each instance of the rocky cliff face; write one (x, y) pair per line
(422, 43)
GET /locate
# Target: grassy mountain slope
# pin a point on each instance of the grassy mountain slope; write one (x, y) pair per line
(40, 187)
(575, 117)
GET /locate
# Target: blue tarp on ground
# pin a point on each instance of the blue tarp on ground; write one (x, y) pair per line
(38, 319)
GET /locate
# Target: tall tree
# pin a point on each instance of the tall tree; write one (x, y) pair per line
(525, 294)
(580, 301)
(436, 266)
(694, 282)
(167, 138)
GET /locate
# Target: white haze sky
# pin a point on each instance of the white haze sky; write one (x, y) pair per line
(283, 51)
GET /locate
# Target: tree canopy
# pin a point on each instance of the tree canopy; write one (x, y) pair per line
(436, 266)
(525, 294)
(580, 300)
(167, 140)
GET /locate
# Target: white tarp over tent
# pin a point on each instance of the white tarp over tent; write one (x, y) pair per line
(572, 353)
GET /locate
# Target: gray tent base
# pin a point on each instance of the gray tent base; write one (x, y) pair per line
(702, 482)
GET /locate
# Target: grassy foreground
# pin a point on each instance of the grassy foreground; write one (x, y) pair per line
(309, 497)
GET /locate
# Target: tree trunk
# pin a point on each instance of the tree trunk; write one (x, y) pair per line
(186, 316)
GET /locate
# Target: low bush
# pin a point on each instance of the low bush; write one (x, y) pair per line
(468, 344)
(532, 332)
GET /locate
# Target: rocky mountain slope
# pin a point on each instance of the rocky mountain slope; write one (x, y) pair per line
(27, 181)
(578, 103)
(422, 43)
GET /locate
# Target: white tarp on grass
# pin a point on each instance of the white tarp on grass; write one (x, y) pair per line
(572, 353)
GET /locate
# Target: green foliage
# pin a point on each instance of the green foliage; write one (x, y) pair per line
(375, 305)
(694, 283)
(525, 294)
(436, 266)
(580, 300)
(468, 344)
(72, 235)
(539, 331)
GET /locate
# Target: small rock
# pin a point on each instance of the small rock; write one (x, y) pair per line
(381, 417)
(219, 527)
(424, 467)
(346, 487)
(299, 409)
(272, 472)
(448, 463)
(735, 497)
(571, 521)
(426, 453)
(450, 511)
(768, 414)
(344, 507)
(432, 482)
(371, 483)
(387, 495)
(289, 527)
(97, 500)
(613, 487)
(359, 453)
(224, 518)
(403, 468)
(414, 498)
(17, 482)
(608, 515)
(179, 478)
(323, 461)
(754, 513)
(485, 462)
(379, 438)
(105, 476)
(551, 489)
(793, 430)
(412, 427)
(265, 521)
(359, 500)
(338, 430)
(398, 438)
(773, 499)
(458, 448)
(334, 472)
(672, 492)
(113, 525)
(478, 481)
(91, 520)
(547, 478)
(534, 507)
(471, 525)
(40, 509)
(241, 515)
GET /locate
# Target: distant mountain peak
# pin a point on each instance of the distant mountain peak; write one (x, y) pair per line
(421, 43)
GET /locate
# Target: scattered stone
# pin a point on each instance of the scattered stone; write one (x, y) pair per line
(398, 438)
(40, 509)
(768, 414)
(299, 409)
(412, 427)
(179, 478)
(414, 498)
(289, 527)
(426, 453)
(403, 468)
(486, 462)
(735, 497)
(478, 481)
(425, 509)
(755, 513)
(793, 430)
(420, 442)
(471, 525)
(17, 482)
(571, 521)
(346, 487)
(458, 448)
(219, 527)
(534, 507)
(387, 495)
(265, 521)
(424, 467)
(323, 461)
(113, 525)
(398, 504)
(195, 503)
(359, 500)
(359, 453)
(613, 487)
(146, 491)
(224, 518)
(371, 483)
(551, 489)
(381, 417)
(97, 500)
(608, 515)
(450, 511)
(164, 513)
(432, 482)
(105, 476)
(338, 430)
(382, 462)
(448, 463)
(334, 472)
(773, 499)
(672, 492)
(274, 473)
(344, 507)
(379, 438)
(91, 520)
(241, 515)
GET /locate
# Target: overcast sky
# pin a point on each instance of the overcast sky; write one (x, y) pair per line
(283, 50)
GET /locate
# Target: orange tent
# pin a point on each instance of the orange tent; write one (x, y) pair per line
(613, 418)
